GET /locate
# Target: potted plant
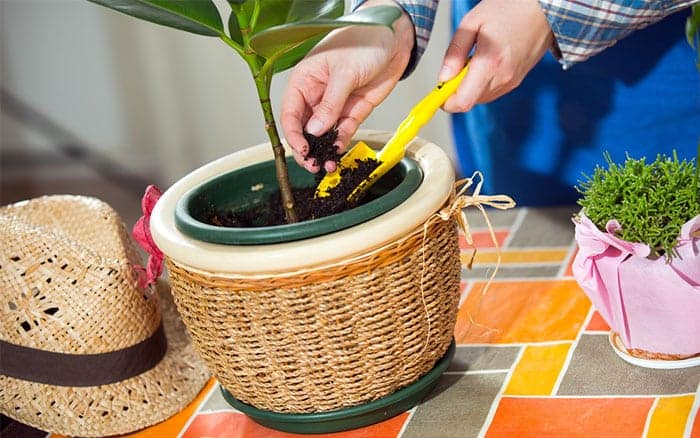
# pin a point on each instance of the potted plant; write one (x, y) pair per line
(270, 36)
(328, 332)
(335, 327)
(638, 260)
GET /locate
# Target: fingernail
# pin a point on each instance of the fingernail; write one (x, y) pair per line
(445, 73)
(314, 127)
(310, 165)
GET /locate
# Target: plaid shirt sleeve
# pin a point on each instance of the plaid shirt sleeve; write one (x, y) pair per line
(584, 28)
(422, 14)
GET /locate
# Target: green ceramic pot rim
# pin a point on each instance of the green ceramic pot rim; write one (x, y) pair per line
(287, 257)
(222, 189)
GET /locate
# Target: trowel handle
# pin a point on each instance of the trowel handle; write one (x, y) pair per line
(419, 116)
(434, 100)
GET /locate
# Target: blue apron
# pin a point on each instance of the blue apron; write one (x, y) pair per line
(641, 97)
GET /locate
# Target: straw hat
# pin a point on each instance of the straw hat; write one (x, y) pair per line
(82, 348)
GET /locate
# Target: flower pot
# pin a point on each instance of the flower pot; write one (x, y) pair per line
(650, 304)
(251, 186)
(325, 322)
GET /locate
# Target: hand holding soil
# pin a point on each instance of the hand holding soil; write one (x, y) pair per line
(341, 81)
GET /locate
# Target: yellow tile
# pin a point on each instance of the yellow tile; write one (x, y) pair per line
(518, 256)
(537, 370)
(670, 416)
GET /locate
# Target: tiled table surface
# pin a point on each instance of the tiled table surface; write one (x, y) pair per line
(533, 358)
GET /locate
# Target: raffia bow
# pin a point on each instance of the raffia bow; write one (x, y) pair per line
(459, 200)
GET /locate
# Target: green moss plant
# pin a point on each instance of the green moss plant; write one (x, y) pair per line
(269, 35)
(651, 201)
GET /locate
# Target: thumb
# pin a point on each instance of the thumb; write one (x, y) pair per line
(328, 110)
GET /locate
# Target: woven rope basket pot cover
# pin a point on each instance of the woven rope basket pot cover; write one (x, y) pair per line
(328, 322)
(83, 351)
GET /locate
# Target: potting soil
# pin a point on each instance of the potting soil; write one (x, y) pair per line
(323, 148)
(307, 206)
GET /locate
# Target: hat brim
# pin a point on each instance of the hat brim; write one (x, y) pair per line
(118, 408)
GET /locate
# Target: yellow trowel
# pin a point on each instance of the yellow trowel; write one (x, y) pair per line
(395, 148)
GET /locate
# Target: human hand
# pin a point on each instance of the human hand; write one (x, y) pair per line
(510, 37)
(349, 73)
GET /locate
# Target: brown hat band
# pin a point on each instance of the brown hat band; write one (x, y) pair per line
(64, 369)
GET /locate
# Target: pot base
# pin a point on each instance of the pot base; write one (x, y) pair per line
(354, 416)
(661, 364)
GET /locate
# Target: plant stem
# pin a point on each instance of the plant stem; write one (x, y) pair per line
(262, 84)
(263, 79)
(255, 15)
(232, 44)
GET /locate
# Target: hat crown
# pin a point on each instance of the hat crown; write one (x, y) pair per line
(67, 278)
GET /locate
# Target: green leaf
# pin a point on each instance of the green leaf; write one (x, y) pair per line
(300, 11)
(234, 29)
(304, 10)
(279, 12)
(278, 40)
(196, 16)
(290, 58)
(239, 8)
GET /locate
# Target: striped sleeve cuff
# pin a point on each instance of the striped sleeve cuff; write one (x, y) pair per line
(584, 28)
(422, 14)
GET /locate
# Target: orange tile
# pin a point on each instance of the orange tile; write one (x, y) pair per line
(482, 239)
(236, 425)
(538, 369)
(670, 416)
(173, 425)
(597, 323)
(522, 311)
(570, 417)
(695, 431)
(517, 256)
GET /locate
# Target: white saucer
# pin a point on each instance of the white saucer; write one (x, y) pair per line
(659, 364)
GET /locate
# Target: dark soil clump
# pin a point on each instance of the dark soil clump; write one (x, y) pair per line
(307, 206)
(322, 149)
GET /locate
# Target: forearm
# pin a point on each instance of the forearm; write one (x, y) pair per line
(584, 28)
(422, 14)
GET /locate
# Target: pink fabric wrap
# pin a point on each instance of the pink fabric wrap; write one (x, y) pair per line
(652, 304)
(142, 234)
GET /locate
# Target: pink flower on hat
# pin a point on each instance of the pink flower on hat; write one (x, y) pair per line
(142, 234)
